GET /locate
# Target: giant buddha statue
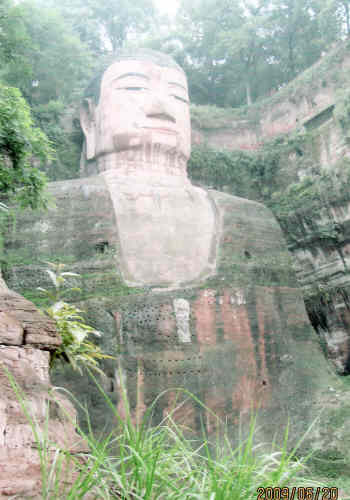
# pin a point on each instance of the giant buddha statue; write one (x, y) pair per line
(194, 286)
(136, 121)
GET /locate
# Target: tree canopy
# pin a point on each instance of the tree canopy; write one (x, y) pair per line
(233, 51)
(22, 146)
(238, 51)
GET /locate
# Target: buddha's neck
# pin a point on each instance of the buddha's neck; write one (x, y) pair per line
(152, 166)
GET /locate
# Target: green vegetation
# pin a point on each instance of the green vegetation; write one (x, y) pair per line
(330, 464)
(42, 56)
(234, 54)
(212, 117)
(21, 146)
(91, 285)
(61, 127)
(302, 207)
(255, 175)
(137, 461)
(75, 348)
(342, 109)
(305, 85)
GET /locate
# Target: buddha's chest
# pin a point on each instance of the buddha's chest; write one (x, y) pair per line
(167, 235)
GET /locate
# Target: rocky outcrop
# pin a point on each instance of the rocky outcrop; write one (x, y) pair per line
(314, 108)
(239, 339)
(320, 245)
(192, 287)
(26, 337)
(308, 101)
(23, 325)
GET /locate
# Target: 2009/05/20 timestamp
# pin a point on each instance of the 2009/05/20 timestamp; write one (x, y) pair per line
(297, 493)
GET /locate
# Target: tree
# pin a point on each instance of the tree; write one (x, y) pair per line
(14, 41)
(226, 49)
(54, 57)
(42, 56)
(341, 8)
(302, 30)
(106, 25)
(345, 4)
(21, 145)
(247, 44)
(236, 51)
(199, 28)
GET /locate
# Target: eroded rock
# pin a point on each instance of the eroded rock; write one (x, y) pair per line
(38, 328)
(26, 337)
(11, 330)
(193, 287)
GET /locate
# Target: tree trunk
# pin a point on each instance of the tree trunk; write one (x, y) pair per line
(347, 18)
(291, 61)
(248, 93)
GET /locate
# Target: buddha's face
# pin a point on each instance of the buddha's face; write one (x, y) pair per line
(142, 104)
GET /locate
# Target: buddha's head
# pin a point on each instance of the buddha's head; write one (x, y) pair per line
(137, 112)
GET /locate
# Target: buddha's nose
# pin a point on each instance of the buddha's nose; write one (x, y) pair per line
(158, 106)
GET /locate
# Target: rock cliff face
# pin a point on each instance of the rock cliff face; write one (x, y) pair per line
(231, 328)
(323, 269)
(239, 339)
(314, 110)
(26, 337)
(192, 287)
(309, 101)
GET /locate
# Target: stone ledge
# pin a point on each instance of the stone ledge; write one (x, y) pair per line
(21, 323)
(11, 331)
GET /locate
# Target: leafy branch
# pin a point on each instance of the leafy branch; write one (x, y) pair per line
(76, 348)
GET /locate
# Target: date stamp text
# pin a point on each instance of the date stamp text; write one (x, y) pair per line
(297, 493)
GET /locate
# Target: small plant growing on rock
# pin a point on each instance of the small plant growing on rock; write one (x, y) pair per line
(75, 349)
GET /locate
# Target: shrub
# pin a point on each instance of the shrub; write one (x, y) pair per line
(75, 349)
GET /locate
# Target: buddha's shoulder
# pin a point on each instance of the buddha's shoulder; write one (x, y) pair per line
(225, 202)
(249, 224)
(85, 185)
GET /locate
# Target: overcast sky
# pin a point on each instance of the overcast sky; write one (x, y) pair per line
(167, 6)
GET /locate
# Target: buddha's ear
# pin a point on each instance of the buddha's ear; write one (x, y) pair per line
(88, 124)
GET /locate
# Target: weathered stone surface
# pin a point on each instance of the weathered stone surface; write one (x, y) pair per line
(155, 224)
(238, 362)
(238, 340)
(322, 268)
(308, 101)
(37, 328)
(149, 135)
(20, 472)
(320, 246)
(11, 330)
(237, 337)
(26, 337)
(80, 226)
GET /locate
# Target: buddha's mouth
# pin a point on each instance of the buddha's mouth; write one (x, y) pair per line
(162, 116)
(162, 130)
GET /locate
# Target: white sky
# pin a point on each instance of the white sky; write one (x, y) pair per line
(167, 6)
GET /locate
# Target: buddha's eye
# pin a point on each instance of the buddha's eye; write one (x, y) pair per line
(133, 88)
(182, 99)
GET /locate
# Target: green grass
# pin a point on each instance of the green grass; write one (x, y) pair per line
(138, 461)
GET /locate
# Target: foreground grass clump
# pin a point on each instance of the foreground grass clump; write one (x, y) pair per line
(138, 461)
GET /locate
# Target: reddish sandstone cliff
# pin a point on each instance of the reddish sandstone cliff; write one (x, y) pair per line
(26, 337)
